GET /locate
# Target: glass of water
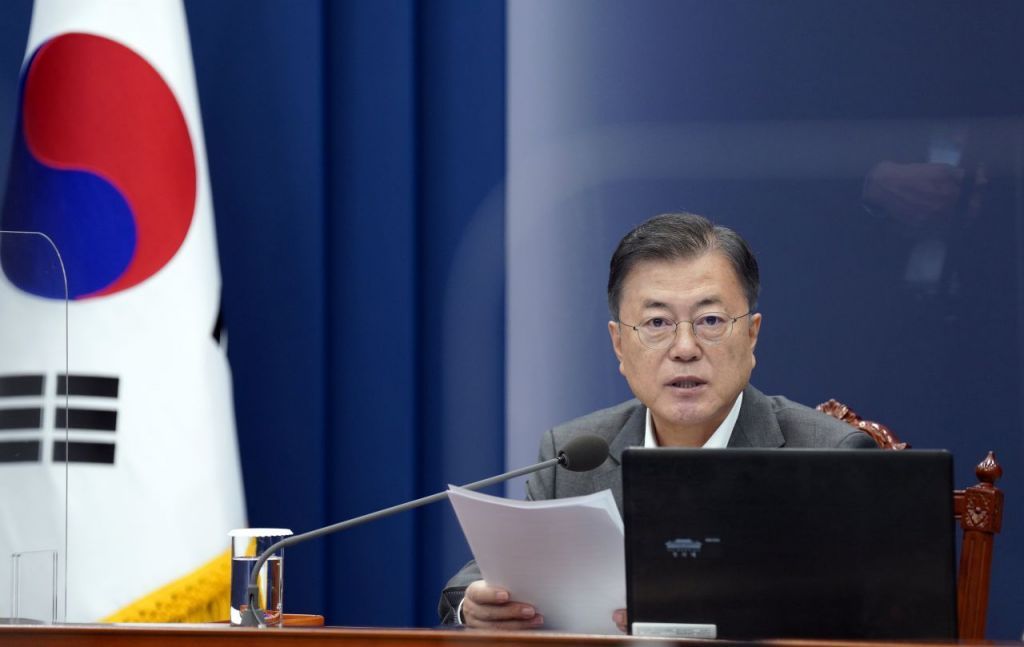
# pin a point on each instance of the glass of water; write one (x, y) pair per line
(247, 544)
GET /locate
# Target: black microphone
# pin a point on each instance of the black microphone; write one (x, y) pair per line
(581, 454)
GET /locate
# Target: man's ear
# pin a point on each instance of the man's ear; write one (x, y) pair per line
(754, 329)
(615, 331)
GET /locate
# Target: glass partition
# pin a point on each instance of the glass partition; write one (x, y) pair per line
(34, 437)
(871, 153)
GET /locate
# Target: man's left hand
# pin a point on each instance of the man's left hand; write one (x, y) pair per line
(619, 616)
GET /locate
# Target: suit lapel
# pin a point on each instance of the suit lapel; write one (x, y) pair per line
(756, 425)
(609, 475)
(631, 435)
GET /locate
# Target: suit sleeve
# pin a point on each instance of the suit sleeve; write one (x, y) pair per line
(541, 485)
(454, 591)
(858, 440)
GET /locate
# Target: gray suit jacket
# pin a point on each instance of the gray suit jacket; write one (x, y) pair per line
(764, 421)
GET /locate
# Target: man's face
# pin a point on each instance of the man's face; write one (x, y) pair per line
(691, 385)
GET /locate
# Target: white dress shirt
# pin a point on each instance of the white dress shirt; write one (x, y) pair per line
(718, 440)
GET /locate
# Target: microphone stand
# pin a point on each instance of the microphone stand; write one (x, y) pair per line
(253, 617)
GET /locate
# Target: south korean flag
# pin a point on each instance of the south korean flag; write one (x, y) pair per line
(117, 403)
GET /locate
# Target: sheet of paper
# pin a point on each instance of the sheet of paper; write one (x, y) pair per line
(563, 556)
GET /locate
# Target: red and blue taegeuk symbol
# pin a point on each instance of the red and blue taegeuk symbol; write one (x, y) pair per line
(102, 163)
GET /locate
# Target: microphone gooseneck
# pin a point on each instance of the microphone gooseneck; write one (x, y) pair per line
(579, 455)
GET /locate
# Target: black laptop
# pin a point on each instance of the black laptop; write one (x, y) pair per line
(789, 543)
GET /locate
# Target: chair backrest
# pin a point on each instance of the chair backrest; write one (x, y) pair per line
(979, 509)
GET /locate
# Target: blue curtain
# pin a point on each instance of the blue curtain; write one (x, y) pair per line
(357, 158)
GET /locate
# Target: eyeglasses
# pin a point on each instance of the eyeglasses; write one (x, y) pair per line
(658, 333)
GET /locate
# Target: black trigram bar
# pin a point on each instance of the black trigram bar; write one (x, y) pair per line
(28, 418)
(82, 452)
(19, 451)
(91, 385)
(18, 385)
(92, 419)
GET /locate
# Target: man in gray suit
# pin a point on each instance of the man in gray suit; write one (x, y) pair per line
(682, 294)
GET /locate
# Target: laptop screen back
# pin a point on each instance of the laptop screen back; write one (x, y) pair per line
(769, 543)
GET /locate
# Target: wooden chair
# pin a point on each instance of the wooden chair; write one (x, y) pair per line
(979, 509)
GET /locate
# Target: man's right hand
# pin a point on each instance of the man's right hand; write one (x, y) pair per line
(486, 607)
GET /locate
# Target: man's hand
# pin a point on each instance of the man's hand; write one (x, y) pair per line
(486, 607)
(621, 621)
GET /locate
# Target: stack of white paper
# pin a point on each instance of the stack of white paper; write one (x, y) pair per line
(563, 556)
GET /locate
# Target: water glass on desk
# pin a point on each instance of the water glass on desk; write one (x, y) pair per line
(247, 544)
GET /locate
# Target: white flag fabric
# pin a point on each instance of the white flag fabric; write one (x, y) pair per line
(109, 161)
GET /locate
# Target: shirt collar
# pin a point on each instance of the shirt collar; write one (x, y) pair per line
(718, 440)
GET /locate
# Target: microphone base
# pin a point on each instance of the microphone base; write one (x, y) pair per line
(251, 620)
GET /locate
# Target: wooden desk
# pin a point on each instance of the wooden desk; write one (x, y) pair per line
(220, 635)
(183, 635)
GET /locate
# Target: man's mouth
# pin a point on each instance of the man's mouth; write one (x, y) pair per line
(687, 383)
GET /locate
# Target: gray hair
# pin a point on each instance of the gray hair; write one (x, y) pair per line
(673, 236)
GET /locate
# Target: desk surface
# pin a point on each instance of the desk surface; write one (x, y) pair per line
(196, 635)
